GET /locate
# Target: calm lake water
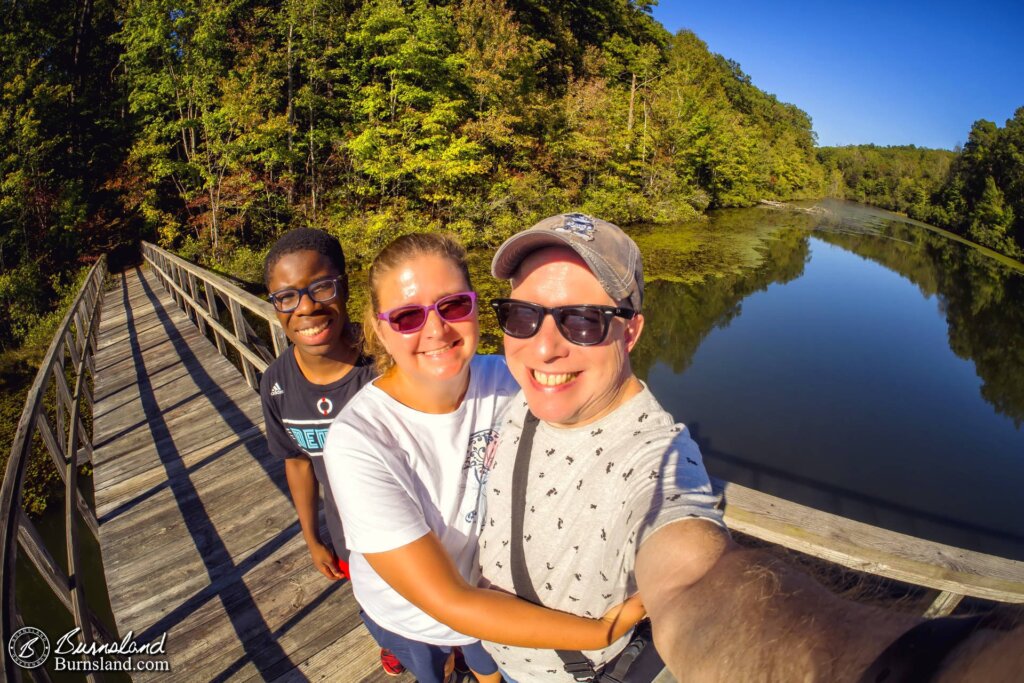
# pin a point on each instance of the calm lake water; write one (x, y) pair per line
(856, 362)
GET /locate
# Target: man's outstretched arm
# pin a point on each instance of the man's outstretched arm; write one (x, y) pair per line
(721, 613)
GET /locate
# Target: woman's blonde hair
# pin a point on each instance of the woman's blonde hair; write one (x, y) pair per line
(400, 250)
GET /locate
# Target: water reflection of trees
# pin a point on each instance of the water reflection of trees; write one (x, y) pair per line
(678, 316)
(980, 297)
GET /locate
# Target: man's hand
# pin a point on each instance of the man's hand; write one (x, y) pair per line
(325, 561)
(624, 616)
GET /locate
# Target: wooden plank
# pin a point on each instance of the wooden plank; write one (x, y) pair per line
(258, 344)
(124, 473)
(943, 605)
(189, 436)
(211, 304)
(280, 339)
(72, 349)
(176, 549)
(80, 609)
(287, 564)
(200, 322)
(35, 550)
(354, 656)
(871, 549)
(273, 612)
(248, 364)
(317, 609)
(63, 406)
(143, 481)
(50, 441)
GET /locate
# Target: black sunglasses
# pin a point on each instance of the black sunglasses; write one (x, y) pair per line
(321, 291)
(583, 325)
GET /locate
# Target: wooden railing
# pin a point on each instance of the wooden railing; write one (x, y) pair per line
(205, 297)
(59, 425)
(953, 572)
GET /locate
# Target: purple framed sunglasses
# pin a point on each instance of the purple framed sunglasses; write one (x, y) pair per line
(411, 318)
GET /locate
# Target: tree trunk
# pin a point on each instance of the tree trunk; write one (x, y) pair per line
(629, 120)
(291, 114)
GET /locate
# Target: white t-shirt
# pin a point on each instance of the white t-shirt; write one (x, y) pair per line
(397, 474)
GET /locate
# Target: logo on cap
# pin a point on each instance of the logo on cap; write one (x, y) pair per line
(578, 224)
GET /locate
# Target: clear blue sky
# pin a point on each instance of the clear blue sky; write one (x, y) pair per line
(891, 73)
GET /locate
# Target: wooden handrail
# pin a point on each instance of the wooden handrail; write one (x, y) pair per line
(183, 280)
(954, 572)
(75, 338)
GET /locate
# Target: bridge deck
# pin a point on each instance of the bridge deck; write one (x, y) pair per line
(197, 530)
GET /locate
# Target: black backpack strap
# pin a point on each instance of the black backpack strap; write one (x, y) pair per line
(578, 666)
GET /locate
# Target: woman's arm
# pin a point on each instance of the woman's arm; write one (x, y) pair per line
(423, 574)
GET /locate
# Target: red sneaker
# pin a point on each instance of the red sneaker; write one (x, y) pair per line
(389, 662)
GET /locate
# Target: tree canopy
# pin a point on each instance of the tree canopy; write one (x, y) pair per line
(211, 127)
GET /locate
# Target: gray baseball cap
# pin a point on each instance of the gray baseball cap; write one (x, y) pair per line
(611, 255)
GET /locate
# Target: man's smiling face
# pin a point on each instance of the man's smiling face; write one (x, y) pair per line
(565, 384)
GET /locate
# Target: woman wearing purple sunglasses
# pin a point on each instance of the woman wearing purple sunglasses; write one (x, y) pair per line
(408, 460)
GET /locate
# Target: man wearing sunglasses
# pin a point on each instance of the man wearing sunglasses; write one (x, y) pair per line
(608, 470)
(595, 494)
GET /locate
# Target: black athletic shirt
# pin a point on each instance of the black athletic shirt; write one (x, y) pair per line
(298, 414)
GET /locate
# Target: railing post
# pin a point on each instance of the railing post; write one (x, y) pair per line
(279, 338)
(211, 302)
(242, 336)
(943, 605)
(200, 323)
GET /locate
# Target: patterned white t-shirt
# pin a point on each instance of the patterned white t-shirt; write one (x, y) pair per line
(398, 474)
(594, 494)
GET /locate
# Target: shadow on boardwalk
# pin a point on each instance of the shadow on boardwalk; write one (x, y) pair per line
(198, 534)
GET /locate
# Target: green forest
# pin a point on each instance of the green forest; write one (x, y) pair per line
(976, 191)
(211, 128)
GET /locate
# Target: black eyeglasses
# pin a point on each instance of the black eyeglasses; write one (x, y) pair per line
(583, 325)
(321, 291)
(452, 309)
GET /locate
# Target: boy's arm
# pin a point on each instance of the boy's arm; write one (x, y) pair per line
(302, 481)
(304, 488)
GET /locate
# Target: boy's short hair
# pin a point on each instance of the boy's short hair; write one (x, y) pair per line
(304, 239)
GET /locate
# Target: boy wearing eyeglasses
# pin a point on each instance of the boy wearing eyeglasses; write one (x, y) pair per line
(312, 380)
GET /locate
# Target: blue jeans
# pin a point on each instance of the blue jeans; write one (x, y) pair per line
(426, 662)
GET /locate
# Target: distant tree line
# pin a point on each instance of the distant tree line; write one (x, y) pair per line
(976, 191)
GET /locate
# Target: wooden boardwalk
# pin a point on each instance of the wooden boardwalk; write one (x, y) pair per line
(197, 530)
